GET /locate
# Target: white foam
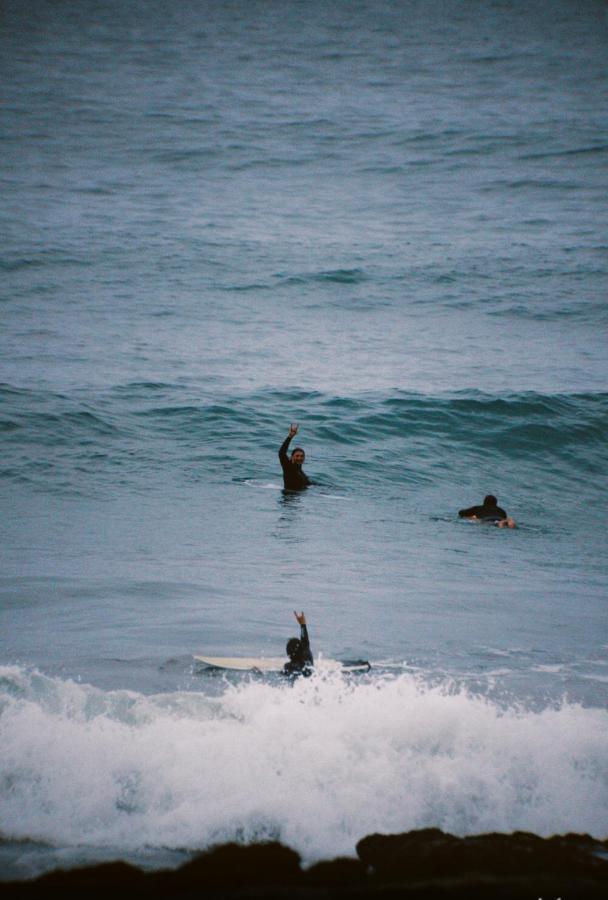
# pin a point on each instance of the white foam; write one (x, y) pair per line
(317, 765)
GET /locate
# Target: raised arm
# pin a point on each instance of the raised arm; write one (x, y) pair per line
(293, 430)
(307, 652)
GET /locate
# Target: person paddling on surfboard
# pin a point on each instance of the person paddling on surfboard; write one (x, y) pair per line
(294, 479)
(300, 660)
(489, 512)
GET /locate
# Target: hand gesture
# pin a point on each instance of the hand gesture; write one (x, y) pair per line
(293, 429)
(301, 618)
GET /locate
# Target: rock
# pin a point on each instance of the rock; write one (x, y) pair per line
(342, 871)
(419, 865)
(431, 853)
(235, 865)
(109, 880)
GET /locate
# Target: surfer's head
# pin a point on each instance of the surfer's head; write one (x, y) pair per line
(490, 500)
(294, 645)
(297, 457)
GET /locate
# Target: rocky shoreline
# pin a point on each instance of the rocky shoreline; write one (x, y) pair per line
(421, 865)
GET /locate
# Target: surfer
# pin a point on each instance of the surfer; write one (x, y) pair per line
(489, 512)
(294, 479)
(300, 660)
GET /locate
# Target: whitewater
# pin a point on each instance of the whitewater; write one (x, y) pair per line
(317, 766)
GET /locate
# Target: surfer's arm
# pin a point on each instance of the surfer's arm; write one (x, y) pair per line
(293, 430)
(283, 450)
(307, 653)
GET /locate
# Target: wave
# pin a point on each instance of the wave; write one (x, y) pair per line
(468, 415)
(596, 149)
(317, 766)
(563, 434)
(339, 276)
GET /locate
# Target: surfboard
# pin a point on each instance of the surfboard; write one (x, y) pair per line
(276, 664)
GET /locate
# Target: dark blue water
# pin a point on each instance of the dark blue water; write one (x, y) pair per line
(387, 222)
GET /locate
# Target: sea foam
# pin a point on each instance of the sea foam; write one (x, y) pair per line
(317, 765)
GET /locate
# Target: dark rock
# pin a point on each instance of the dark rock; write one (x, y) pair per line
(235, 865)
(106, 879)
(420, 865)
(341, 871)
(430, 853)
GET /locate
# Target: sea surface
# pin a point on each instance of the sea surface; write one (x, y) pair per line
(386, 221)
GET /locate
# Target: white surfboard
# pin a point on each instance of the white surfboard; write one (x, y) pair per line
(276, 664)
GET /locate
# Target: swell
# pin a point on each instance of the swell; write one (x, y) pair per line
(145, 425)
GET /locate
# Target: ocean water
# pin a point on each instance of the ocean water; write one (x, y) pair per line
(386, 221)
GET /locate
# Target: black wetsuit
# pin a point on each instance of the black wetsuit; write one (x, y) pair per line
(302, 662)
(294, 478)
(486, 513)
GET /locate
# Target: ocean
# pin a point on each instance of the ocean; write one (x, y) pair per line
(385, 221)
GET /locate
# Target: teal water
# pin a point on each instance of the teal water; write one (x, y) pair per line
(386, 222)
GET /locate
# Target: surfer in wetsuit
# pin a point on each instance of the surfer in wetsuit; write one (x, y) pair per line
(294, 479)
(300, 660)
(489, 512)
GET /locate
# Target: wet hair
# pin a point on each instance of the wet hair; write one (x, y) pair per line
(490, 500)
(295, 450)
(293, 647)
